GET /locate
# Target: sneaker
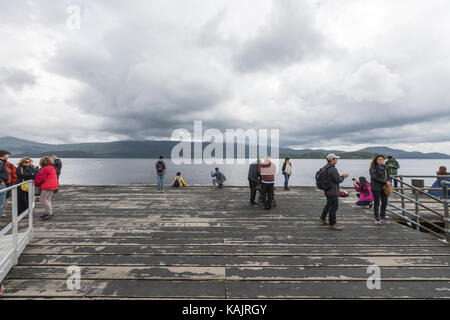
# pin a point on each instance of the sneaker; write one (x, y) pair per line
(370, 205)
(384, 220)
(162, 191)
(43, 216)
(324, 222)
(252, 203)
(377, 221)
(47, 216)
(335, 227)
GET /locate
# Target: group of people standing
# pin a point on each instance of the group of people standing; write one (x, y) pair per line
(45, 176)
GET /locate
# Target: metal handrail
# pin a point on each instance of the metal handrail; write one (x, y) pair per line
(9, 255)
(417, 191)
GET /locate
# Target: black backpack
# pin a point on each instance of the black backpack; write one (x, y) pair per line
(159, 166)
(322, 181)
(176, 183)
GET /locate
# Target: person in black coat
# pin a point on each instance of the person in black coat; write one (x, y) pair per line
(57, 163)
(25, 171)
(332, 194)
(379, 177)
(253, 178)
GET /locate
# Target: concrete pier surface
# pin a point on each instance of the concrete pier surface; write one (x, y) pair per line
(203, 243)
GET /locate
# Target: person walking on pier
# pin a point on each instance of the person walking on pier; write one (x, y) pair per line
(333, 179)
(286, 170)
(47, 180)
(267, 170)
(392, 166)
(379, 180)
(253, 178)
(160, 173)
(25, 171)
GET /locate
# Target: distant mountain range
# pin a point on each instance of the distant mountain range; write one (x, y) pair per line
(153, 149)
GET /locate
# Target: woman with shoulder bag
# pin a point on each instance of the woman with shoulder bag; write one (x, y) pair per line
(381, 188)
(24, 171)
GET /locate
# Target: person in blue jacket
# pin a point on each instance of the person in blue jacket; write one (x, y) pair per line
(438, 183)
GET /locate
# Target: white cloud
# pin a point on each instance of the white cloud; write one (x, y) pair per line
(372, 82)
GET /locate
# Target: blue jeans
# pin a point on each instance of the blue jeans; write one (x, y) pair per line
(160, 178)
(286, 180)
(2, 196)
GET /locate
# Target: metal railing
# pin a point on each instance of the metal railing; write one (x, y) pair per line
(415, 218)
(12, 245)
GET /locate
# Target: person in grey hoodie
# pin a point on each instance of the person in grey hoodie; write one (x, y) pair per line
(332, 194)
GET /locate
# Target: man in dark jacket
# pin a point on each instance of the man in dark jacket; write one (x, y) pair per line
(253, 177)
(332, 194)
(4, 176)
(57, 163)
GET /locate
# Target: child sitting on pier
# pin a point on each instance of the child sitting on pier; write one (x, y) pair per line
(178, 181)
(365, 197)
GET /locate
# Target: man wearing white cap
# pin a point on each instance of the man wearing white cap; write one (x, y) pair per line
(332, 193)
(267, 170)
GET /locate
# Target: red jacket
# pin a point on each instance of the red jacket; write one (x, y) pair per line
(46, 178)
(12, 172)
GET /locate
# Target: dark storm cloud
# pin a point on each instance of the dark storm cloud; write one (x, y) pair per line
(288, 36)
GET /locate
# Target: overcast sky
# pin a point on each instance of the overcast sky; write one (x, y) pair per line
(329, 74)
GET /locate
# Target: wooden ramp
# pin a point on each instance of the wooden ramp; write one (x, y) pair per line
(200, 242)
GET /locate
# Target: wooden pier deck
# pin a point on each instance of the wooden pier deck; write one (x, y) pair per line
(199, 242)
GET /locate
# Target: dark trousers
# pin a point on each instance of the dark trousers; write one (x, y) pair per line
(22, 201)
(330, 209)
(395, 182)
(252, 185)
(267, 194)
(379, 196)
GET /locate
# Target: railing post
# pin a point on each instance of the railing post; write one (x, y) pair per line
(416, 194)
(30, 209)
(15, 227)
(402, 191)
(446, 213)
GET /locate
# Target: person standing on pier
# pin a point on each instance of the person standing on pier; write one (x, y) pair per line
(57, 163)
(286, 170)
(267, 170)
(379, 179)
(25, 171)
(47, 180)
(4, 176)
(332, 192)
(392, 166)
(253, 178)
(160, 173)
(12, 181)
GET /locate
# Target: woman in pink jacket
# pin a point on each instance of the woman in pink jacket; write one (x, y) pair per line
(48, 181)
(365, 194)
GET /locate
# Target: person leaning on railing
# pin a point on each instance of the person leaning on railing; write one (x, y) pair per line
(438, 183)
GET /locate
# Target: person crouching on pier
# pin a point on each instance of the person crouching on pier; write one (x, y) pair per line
(365, 197)
(332, 193)
(178, 181)
(379, 180)
(47, 180)
(217, 178)
(267, 170)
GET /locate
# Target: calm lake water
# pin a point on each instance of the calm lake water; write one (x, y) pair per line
(142, 171)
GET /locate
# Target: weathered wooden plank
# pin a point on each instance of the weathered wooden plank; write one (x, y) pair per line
(338, 290)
